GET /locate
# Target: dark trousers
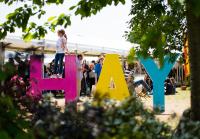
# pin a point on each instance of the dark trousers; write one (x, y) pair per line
(91, 82)
(83, 87)
(59, 59)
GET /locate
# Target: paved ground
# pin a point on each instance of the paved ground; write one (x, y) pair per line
(174, 106)
(173, 103)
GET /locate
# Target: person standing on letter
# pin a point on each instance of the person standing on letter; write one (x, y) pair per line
(61, 47)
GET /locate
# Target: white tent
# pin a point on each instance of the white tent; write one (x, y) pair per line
(48, 46)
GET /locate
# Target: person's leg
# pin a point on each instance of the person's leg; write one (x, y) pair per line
(90, 85)
(61, 56)
(143, 84)
(170, 89)
(174, 88)
(139, 82)
(92, 82)
(83, 87)
(167, 89)
(78, 88)
(56, 64)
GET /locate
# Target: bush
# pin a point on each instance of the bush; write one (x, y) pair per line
(187, 129)
(50, 122)
(13, 121)
(110, 120)
(132, 120)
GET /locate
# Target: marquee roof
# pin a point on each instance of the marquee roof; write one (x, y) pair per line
(48, 47)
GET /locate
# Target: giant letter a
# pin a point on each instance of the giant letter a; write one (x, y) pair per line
(111, 83)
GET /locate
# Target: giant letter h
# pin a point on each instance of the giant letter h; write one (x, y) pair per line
(68, 84)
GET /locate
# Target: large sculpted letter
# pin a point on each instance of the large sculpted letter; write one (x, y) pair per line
(158, 76)
(112, 83)
(68, 84)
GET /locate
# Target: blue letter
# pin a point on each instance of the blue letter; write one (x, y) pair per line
(158, 76)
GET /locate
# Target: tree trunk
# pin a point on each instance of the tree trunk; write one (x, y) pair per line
(193, 23)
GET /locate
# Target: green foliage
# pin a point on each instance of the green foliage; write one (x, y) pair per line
(54, 21)
(34, 32)
(131, 56)
(19, 19)
(14, 121)
(21, 16)
(110, 120)
(157, 26)
(132, 120)
(13, 124)
(91, 7)
(196, 4)
(49, 122)
(187, 129)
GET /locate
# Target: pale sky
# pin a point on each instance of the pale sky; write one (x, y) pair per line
(104, 29)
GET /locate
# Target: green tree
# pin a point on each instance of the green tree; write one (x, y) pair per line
(193, 25)
(157, 26)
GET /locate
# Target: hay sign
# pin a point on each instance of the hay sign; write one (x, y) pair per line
(111, 72)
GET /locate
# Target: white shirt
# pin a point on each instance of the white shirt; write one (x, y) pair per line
(59, 43)
(79, 66)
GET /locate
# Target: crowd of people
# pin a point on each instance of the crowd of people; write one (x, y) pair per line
(87, 73)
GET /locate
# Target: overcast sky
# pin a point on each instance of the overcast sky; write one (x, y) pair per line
(104, 29)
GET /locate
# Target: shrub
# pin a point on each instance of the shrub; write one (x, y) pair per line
(50, 122)
(132, 120)
(13, 121)
(187, 129)
(110, 120)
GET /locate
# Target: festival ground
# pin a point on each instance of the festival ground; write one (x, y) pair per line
(174, 106)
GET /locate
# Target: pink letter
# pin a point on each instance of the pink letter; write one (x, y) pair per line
(68, 84)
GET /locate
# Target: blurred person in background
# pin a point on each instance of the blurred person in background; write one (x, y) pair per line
(98, 67)
(84, 82)
(92, 78)
(79, 73)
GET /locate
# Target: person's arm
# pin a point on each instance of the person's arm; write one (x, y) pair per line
(95, 78)
(80, 67)
(66, 49)
(95, 71)
(63, 43)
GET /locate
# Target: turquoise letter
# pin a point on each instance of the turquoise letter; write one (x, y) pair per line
(158, 76)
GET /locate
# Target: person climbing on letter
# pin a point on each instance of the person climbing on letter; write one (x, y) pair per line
(61, 48)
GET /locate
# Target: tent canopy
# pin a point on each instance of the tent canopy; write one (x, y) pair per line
(48, 47)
